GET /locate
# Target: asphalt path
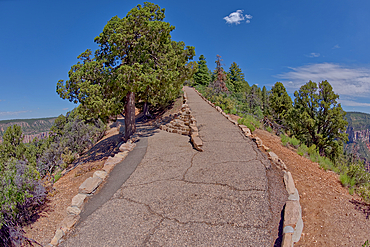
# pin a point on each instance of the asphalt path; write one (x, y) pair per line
(177, 196)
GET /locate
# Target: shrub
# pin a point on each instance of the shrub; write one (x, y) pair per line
(251, 122)
(284, 139)
(70, 136)
(269, 129)
(294, 142)
(20, 196)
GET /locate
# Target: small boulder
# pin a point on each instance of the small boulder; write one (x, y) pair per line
(73, 210)
(197, 143)
(89, 185)
(289, 183)
(58, 235)
(258, 141)
(100, 174)
(127, 146)
(68, 222)
(274, 158)
(78, 200)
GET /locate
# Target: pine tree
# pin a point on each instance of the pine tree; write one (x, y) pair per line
(279, 102)
(236, 79)
(202, 76)
(265, 104)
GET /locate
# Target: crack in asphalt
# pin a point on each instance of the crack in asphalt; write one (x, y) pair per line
(191, 165)
(221, 184)
(152, 231)
(151, 211)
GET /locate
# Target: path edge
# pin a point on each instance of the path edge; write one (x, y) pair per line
(292, 219)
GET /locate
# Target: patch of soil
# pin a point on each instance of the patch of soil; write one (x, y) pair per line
(331, 216)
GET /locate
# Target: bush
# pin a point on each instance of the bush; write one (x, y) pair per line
(70, 136)
(251, 122)
(269, 129)
(284, 139)
(294, 142)
(20, 196)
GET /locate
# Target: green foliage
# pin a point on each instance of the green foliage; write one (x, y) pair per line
(269, 129)
(69, 137)
(12, 146)
(358, 120)
(294, 142)
(202, 76)
(136, 56)
(366, 244)
(265, 102)
(284, 139)
(235, 79)
(57, 176)
(251, 122)
(317, 118)
(280, 103)
(21, 192)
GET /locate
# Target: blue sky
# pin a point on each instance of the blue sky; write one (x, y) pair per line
(289, 41)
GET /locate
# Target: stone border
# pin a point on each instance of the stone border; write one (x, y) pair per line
(184, 123)
(293, 223)
(87, 189)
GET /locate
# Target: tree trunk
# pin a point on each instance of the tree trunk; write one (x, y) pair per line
(146, 110)
(130, 126)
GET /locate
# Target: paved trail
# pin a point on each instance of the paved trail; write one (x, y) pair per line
(178, 196)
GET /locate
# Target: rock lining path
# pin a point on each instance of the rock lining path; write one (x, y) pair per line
(177, 196)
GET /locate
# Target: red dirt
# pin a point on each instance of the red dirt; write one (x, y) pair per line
(331, 216)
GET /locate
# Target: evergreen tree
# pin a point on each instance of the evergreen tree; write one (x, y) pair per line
(136, 57)
(254, 100)
(279, 102)
(317, 118)
(236, 79)
(202, 76)
(265, 103)
(12, 145)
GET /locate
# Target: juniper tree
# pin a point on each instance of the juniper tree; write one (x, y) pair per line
(136, 57)
(317, 118)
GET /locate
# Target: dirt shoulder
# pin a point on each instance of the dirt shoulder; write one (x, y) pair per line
(331, 216)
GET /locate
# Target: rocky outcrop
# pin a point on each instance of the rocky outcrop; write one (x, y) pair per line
(358, 135)
(31, 128)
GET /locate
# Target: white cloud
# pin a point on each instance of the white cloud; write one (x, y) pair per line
(336, 47)
(236, 17)
(313, 54)
(12, 113)
(347, 82)
(353, 103)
